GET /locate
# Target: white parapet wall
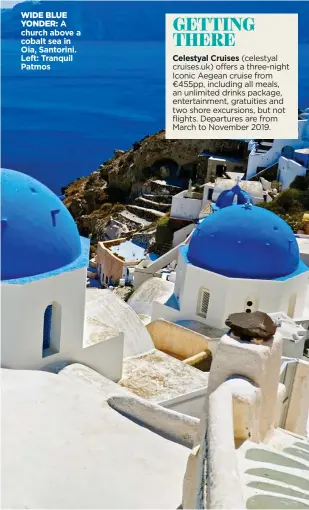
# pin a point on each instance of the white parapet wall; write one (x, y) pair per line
(288, 170)
(179, 427)
(297, 415)
(243, 401)
(185, 207)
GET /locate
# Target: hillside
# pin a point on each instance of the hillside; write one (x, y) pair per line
(135, 187)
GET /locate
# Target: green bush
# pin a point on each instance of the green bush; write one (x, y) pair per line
(118, 208)
(300, 182)
(106, 208)
(164, 232)
(289, 199)
(290, 205)
(304, 199)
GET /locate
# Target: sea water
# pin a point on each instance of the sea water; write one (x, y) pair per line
(60, 125)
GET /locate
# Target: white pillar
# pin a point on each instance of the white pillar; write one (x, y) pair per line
(259, 363)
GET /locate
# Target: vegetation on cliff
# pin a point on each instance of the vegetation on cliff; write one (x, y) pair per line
(292, 203)
(130, 174)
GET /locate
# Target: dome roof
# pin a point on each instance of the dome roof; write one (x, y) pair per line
(38, 234)
(226, 197)
(244, 241)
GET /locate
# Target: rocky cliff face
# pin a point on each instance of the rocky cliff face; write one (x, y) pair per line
(136, 175)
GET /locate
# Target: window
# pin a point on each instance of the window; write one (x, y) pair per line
(106, 280)
(47, 327)
(51, 329)
(203, 302)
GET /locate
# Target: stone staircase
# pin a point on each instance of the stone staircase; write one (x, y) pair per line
(145, 213)
(152, 204)
(165, 199)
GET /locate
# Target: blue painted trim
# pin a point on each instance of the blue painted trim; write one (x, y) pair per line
(172, 302)
(301, 268)
(81, 261)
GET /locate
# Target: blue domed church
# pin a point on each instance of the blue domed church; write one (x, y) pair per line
(243, 258)
(43, 274)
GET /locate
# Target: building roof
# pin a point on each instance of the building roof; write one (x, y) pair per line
(107, 315)
(65, 447)
(158, 377)
(245, 242)
(228, 196)
(38, 234)
(129, 250)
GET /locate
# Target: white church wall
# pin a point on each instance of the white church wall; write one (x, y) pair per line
(22, 310)
(230, 295)
(265, 295)
(196, 280)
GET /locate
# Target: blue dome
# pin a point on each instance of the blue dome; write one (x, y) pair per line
(38, 234)
(245, 241)
(226, 198)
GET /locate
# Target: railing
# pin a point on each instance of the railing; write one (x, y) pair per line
(261, 172)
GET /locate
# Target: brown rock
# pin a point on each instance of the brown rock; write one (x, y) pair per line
(251, 325)
(118, 153)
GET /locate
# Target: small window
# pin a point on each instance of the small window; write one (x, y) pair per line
(249, 303)
(47, 327)
(248, 310)
(106, 280)
(203, 302)
(51, 329)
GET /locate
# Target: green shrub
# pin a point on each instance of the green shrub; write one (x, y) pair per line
(118, 208)
(290, 205)
(289, 199)
(300, 182)
(164, 232)
(106, 208)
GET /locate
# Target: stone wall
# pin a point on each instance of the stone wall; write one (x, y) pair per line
(144, 239)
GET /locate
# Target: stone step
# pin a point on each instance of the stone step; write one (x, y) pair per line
(162, 186)
(150, 204)
(132, 220)
(163, 199)
(145, 213)
(164, 248)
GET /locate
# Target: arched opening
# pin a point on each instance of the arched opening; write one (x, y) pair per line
(51, 329)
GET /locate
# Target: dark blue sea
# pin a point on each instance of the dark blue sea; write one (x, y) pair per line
(63, 124)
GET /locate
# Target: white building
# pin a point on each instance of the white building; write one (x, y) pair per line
(297, 164)
(192, 205)
(267, 153)
(242, 258)
(43, 283)
(73, 438)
